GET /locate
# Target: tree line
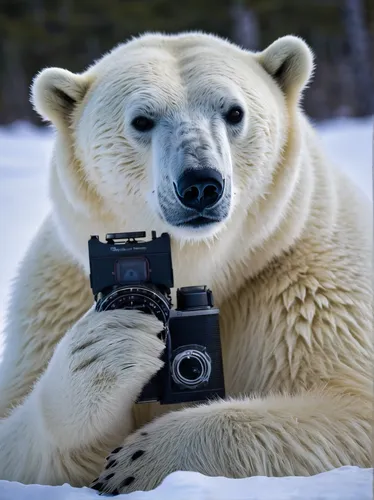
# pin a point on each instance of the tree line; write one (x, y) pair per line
(72, 34)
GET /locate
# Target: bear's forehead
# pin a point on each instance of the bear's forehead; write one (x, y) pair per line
(192, 69)
(186, 59)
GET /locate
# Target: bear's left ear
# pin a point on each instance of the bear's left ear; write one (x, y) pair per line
(290, 61)
(55, 92)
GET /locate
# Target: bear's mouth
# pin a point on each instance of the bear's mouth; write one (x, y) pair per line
(199, 221)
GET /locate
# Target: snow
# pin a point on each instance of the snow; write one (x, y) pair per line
(349, 144)
(24, 154)
(345, 483)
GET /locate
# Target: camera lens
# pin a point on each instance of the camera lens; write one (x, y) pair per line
(191, 367)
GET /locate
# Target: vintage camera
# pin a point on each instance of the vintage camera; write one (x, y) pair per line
(128, 273)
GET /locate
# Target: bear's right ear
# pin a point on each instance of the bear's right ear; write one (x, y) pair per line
(290, 61)
(55, 92)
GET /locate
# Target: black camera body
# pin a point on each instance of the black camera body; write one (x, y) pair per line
(126, 273)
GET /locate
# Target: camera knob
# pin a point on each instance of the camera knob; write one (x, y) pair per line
(194, 297)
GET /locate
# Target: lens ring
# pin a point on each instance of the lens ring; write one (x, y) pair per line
(204, 362)
(136, 297)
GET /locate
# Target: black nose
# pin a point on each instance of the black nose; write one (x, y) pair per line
(200, 188)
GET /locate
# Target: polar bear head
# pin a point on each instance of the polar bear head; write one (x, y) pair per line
(172, 132)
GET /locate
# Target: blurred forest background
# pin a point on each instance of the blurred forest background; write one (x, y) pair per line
(72, 34)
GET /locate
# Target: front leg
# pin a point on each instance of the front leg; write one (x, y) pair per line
(276, 436)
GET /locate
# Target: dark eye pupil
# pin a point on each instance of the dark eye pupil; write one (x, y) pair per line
(142, 124)
(234, 115)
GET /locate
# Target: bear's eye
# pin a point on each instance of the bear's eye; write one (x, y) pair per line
(142, 123)
(234, 115)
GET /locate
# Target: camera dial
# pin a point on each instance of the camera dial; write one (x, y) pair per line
(191, 366)
(190, 298)
(146, 299)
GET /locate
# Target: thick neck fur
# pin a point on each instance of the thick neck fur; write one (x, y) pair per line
(274, 223)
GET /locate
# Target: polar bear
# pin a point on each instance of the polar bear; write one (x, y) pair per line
(192, 135)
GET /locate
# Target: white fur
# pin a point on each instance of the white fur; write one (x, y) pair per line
(289, 266)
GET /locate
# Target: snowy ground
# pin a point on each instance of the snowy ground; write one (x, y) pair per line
(345, 483)
(24, 154)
